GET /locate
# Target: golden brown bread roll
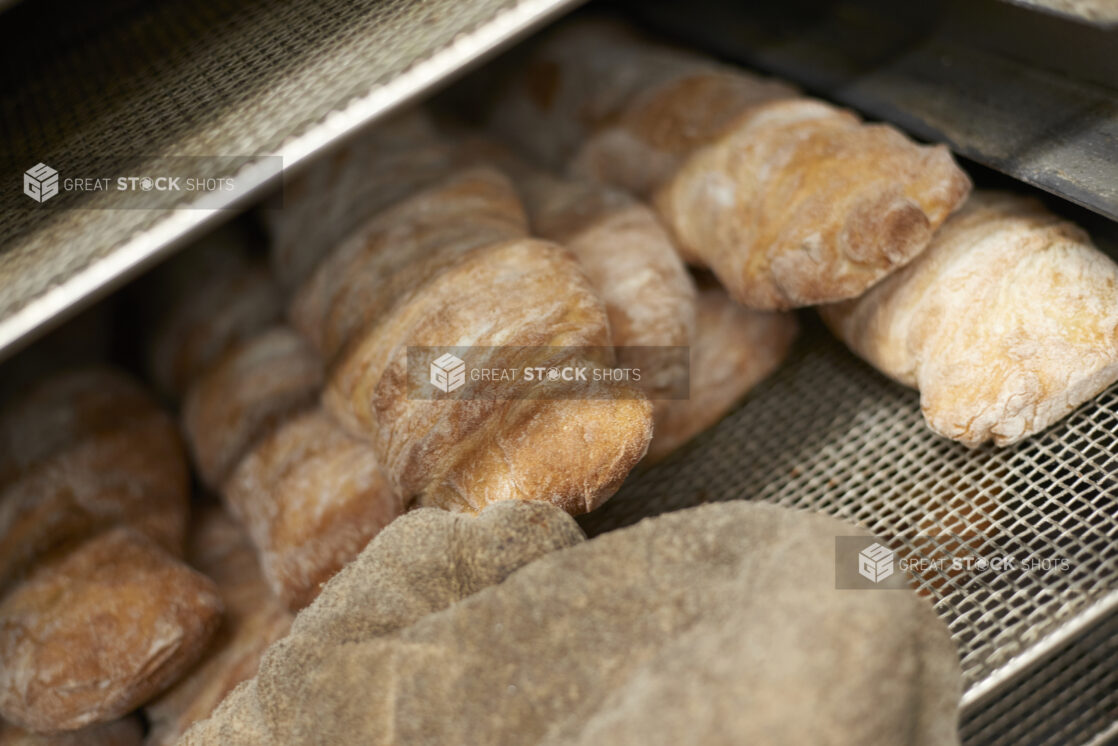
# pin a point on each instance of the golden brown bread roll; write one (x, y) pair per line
(630, 261)
(464, 454)
(801, 203)
(85, 450)
(400, 246)
(331, 197)
(254, 618)
(204, 301)
(1007, 322)
(311, 497)
(253, 387)
(98, 629)
(788, 200)
(449, 267)
(124, 732)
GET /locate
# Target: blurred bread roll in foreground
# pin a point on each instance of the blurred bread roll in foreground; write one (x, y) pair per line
(82, 451)
(254, 619)
(98, 629)
(1007, 323)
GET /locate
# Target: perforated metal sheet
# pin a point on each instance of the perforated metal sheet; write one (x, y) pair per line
(827, 433)
(136, 80)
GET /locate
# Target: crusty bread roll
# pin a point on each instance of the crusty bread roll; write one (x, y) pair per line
(632, 264)
(465, 454)
(254, 618)
(788, 200)
(734, 348)
(253, 387)
(1007, 322)
(81, 451)
(450, 267)
(331, 197)
(97, 629)
(203, 302)
(311, 498)
(801, 203)
(124, 732)
(412, 240)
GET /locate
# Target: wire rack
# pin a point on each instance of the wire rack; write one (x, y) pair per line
(133, 82)
(827, 433)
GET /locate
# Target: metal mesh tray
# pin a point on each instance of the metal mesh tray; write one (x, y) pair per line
(138, 81)
(828, 433)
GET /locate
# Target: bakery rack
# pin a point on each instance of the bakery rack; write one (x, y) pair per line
(1028, 90)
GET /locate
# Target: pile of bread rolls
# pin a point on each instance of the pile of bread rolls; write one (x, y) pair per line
(608, 165)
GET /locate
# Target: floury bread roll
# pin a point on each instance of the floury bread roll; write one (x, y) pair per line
(459, 272)
(632, 264)
(252, 388)
(332, 196)
(788, 200)
(254, 619)
(407, 243)
(734, 349)
(1007, 323)
(99, 628)
(311, 498)
(82, 451)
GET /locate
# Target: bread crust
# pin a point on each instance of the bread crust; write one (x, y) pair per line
(254, 618)
(399, 248)
(1005, 324)
(329, 199)
(89, 449)
(250, 390)
(631, 262)
(98, 629)
(311, 498)
(801, 204)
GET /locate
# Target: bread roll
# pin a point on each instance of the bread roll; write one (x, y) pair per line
(1007, 323)
(254, 619)
(465, 453)
(82, 451)
(203, 302)
(801, 203)
(98, 629)
(733, 350)
(633, 266)
(331, 197)
(253, 387)
(311, 498)
(398, 248)
(125, 732)
(788, 200)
